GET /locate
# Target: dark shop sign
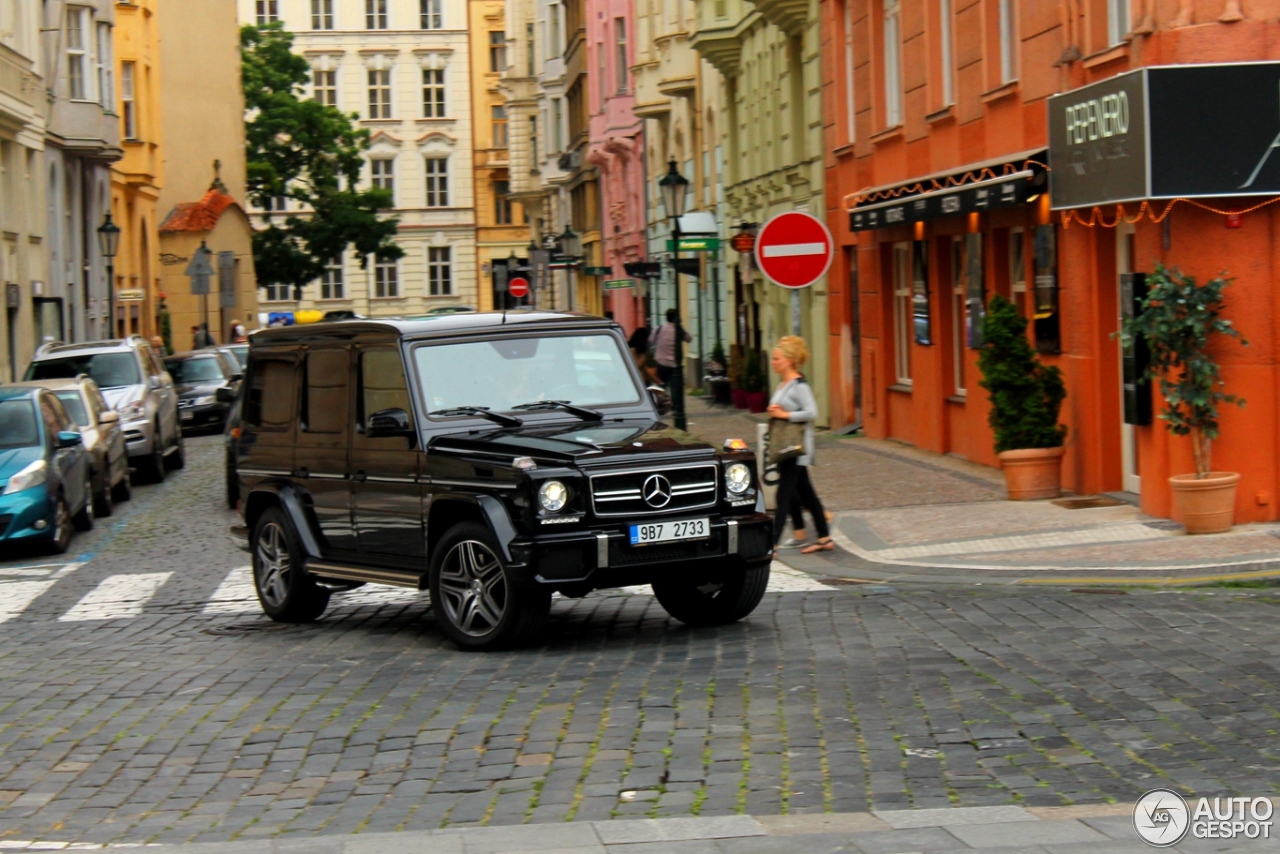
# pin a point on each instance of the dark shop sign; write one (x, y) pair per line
(1006, 191)
(1166, 132)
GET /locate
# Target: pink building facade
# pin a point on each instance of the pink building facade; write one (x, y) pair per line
(616, 150)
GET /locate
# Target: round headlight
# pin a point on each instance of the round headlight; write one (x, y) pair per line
(737, 478)
(552, 496)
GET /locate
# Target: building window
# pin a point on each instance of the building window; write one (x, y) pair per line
(275, 293)
(380, 94)
(106, 74)
(268, 11)
(892, 64)
(502, 202)
(382, 174)
(386, 279)
(432, 14)
(902, 319)
(437, 182)
(375, 14)
(531, 49)
(533, 142)
(1008, 70)
(498, 113)
(922, 322)
(553, 30)
(333, 284)
(276, 204)
(957, 313)
(433, 93)
(557, 125)
(78, 52)
(1018, 270)
(620, 52)
(322, 14)
(1117, 20)
(497, 51)
(850, 104)
(440, 271)
(128, 106)
(324, 87)
(944, 39)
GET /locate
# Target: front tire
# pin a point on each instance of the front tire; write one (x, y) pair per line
(287, 594)
(84, 519)
(104, 503)
(62, 528)
(123, 490)
(152, 466)
(477, 600)
(724, 592)
(178, 456)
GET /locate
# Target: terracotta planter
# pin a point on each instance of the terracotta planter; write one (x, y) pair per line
(757, 401)
(1032, 473)
(739, 398)
(1206, 505)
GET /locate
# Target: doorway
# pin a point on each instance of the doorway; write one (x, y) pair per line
(1128, 433)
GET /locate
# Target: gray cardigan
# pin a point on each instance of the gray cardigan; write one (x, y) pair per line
(797, 398)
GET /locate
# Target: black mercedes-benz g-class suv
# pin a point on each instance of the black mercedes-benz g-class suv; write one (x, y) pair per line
(490, 458)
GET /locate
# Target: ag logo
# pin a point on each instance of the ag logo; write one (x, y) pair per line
(1161, 817)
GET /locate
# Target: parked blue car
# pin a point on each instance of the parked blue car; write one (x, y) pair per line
(46, 485)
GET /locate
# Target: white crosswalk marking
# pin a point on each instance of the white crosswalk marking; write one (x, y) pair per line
(17, 596)
(117, 596)
(235, 595)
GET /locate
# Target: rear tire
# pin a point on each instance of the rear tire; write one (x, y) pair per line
(177, 458)
(286, 592)
(476, 599)
(104, 503)
(724, 593)
(152, 466)
(123, 491)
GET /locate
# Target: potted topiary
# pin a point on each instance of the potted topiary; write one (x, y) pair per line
(756, 384)
(1026, 397)
(737, 376)
(1178, 320)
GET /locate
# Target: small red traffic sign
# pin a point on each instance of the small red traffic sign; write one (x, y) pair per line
(794, 249)
(519, 287)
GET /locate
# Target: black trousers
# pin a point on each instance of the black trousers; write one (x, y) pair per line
(795, 490)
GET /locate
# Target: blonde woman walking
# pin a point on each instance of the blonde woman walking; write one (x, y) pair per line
(794, 401)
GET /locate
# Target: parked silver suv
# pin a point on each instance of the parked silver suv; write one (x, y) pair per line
(135, 384)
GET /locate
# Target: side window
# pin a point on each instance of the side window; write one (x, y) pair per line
(326, 391)
(51, 427)
(382, 383)
(273, 394)
(150, 363)
(61, 416)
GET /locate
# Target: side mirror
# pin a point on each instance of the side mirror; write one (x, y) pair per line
(68, 439)
(661, 399)
(388, 423)
(154, 382)
(109, 417)
(235, 378)
(225, 394)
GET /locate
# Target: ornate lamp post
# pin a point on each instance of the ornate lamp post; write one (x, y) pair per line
(109, 244)
(675, 187)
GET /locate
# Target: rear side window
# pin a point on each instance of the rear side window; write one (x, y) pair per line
(326, 391)
(108, 370)
(75, 407)
(273, 394)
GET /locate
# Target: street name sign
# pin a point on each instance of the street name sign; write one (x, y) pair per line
(618, 284)
(694, 244)
(518, 287)
(794, 249)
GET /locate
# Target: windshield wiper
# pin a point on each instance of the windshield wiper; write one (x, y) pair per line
(563, 405)
(483, 412)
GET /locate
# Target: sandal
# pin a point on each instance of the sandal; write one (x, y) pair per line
(823, 545)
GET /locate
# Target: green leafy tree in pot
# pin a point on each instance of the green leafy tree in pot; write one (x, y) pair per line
(1178, 320)
(1026, 395)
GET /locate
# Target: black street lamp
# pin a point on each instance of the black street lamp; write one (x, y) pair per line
(675, 187)
(534, 284)
(109, 244)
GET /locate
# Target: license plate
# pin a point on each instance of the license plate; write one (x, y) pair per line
(666, 532)
(188, 415)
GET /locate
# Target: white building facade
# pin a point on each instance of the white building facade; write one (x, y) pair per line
(402, 66)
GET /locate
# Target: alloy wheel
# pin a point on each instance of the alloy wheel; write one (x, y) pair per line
(272, 564)
(473, 588)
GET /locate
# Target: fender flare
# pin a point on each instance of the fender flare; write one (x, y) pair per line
(289, 501)
(492, 512)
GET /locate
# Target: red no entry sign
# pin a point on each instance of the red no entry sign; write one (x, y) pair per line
(794, 249)
(519, 287)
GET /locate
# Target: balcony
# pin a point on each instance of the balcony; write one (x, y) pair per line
(787, 15)
(721, 43)
(20, 91)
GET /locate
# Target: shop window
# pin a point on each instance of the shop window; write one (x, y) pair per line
(1018, 270)
(902, 313)
(921, 320)
(975, 288)
(1047, 324)
(958, 298)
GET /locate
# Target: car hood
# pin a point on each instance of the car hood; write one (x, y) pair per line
(14, 460)
(584, 444)
(118, 397)
(198, 389)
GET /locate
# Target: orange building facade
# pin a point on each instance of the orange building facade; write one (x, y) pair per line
(941, 193)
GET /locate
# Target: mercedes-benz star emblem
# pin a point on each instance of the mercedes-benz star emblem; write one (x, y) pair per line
(656, 491)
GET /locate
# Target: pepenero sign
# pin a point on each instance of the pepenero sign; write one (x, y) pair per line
(1165, 132)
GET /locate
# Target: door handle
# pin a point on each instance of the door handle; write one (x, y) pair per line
(361, 476)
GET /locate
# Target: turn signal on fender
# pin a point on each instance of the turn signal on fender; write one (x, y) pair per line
(735, 445)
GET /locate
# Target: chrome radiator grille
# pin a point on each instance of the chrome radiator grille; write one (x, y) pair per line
(660, 490)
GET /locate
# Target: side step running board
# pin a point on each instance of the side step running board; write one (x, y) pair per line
(360, 573)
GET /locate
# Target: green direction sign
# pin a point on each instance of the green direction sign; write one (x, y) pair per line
(695, 244)
(597, 271)
(619, 284)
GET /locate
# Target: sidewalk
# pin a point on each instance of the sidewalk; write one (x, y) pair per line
(1100, 829)
(907, 515)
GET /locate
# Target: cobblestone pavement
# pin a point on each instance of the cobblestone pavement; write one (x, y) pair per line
(189, 719)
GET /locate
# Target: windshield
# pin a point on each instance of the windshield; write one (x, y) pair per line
(241, 354)
(192, 371)
(586, 370)
(108, 370)
(18, 424)
(74, 405)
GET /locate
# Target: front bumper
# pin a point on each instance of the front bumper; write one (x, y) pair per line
(205, 415)
(602, 555)
(27, 515)
(139, 437)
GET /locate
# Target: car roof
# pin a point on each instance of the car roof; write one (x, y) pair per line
(440, 325)
(191, 354)
(55, 385)
(113, 345)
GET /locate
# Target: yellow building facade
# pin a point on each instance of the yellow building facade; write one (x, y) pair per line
(136, 178)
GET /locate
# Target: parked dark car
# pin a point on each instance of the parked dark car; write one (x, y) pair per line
(489, 459)
(238, 352)
(46, 485)
(198, 375)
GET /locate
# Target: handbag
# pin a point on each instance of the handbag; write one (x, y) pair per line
(786, 440)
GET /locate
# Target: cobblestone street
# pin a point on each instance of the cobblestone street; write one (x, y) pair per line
(145, 702)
